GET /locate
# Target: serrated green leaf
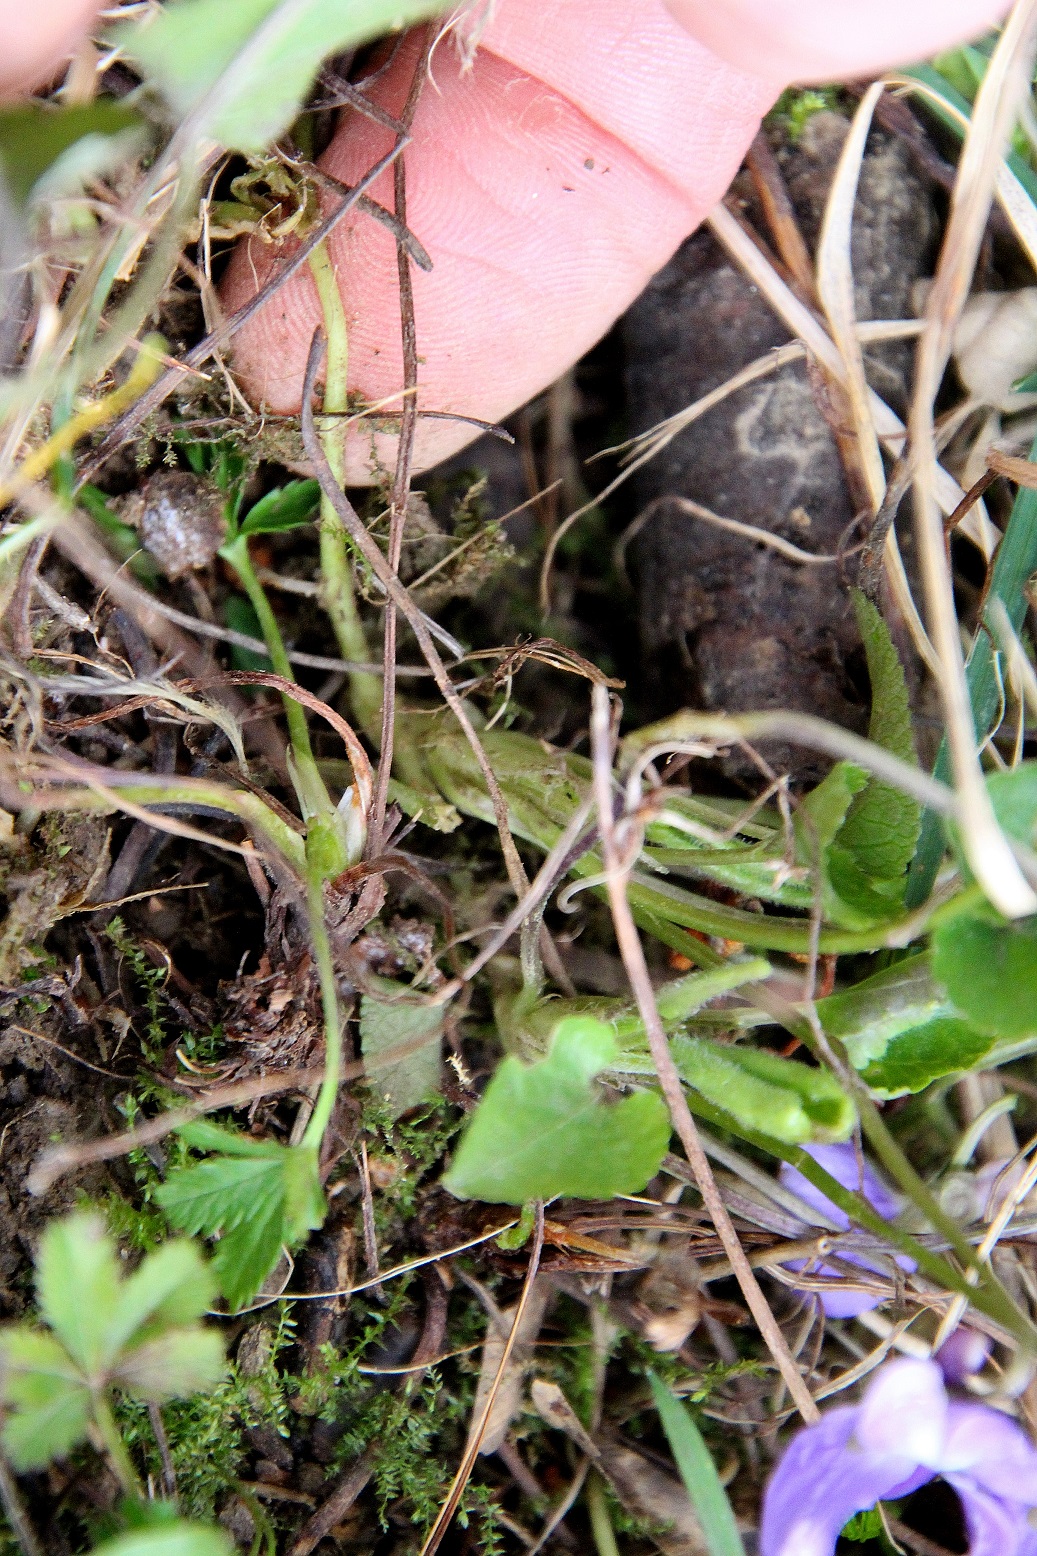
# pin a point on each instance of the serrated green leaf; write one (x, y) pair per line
(286, 507)
(265, 1196)
(698, 1472)
(77, 1286)
(49, 152)
(988, 966)
(188, 45)
(203, 1135)
(244, 1257)
(400, 1044)
(47, 1399)
(172, 1286)
(172, 1366)
(542, 1129)
(219, 1194)
(177, 1539)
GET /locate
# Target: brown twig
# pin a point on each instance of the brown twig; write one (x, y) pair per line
(617, 868)
(404, 456)
(372, 554)
(446, 1513)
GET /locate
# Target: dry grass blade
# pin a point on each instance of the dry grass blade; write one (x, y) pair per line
(637, 972)
(742, 249)
(996, 107)
(435, 1535)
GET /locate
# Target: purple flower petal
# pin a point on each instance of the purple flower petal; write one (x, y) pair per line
(822, 1480)
(996, 1527)
(905, 1411)
(963, 1354)
(990, 1451)
(842, 1163)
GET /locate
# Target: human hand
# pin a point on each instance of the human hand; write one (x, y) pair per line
(548, 183)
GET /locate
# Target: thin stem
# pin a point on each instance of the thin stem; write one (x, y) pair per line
(637, 972)
(237, 555)
(605, 1542)
(322, 1109)
(337, 594)
(116, 1449)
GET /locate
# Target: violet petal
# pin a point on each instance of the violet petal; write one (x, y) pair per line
(996, 1526)
(824, 1478)
(990, 1451)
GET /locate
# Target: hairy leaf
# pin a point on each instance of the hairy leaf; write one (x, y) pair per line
(793, 1102)
(543, 1129)
(48, 1401)
(698, 1473)
(260, 1195)
(246, 66)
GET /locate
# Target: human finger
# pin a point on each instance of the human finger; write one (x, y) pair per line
(34, 39)
(548, 183)
(823, 40)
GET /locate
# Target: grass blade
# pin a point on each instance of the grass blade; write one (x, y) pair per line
(698, 1473)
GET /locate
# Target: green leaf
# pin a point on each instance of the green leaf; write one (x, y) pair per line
(261, 1197)
(793, 1102)
(988, 966)
(286, 507)
(542, 1129)
(176, 1539)
(47, 152)
(77, 1286)
(698, 1473)
(172, 1366)
(172, 1286)
(900, 1029)
(915, 1058)
(48, 1401)
(266, 54)
(400, 1045)
(882, 825)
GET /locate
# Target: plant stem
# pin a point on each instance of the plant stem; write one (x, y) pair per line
(236, 553)
(313, 795)
(605, 1542)
(116, 1449)
(321, 1114)
(338, 595)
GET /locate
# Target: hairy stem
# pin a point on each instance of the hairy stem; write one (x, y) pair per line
(321, 1114)
(338, 594)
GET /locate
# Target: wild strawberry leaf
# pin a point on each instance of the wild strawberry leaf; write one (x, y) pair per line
(136, 1334)
(260, 1195)
(48, 1401)
(544, 1129)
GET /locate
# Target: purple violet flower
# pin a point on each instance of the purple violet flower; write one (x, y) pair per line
(904, 1432)
(841, 1162)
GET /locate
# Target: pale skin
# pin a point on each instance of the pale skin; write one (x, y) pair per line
(548, 182)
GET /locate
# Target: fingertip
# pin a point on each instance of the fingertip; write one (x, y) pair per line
(812, 40)
(35, 39)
